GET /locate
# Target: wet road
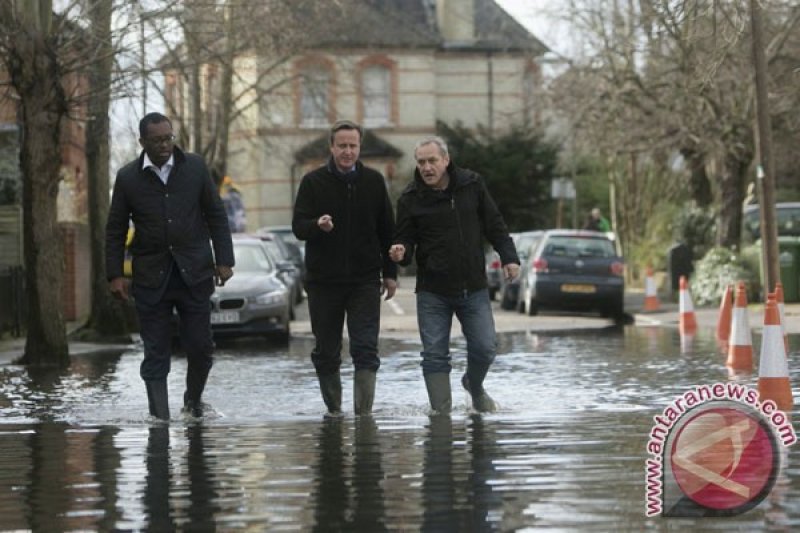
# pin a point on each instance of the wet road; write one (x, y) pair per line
(565, 452)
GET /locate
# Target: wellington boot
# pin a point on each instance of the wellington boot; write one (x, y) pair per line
(195, 384)
(331, 388)
(157, 398)
(363, 391)
(472, 381)
(438, 385)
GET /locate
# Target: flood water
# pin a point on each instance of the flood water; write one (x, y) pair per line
(565, 452)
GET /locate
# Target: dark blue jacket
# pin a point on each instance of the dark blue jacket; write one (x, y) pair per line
(172, 222)
(446, 230)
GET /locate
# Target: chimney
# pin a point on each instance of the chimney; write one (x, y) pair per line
(456, 20)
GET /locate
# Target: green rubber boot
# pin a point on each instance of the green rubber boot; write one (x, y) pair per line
(331, 388)
(472, 381)
(363, 391)
(438, 385)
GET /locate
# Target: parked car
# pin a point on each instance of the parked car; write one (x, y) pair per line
(573, 270)
(509, 290)
(254, 301)
(286, 233)
(494, 272)
(288, 271)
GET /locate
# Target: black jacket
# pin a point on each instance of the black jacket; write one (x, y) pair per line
(447, 228)
(357, 248)
(171, 222)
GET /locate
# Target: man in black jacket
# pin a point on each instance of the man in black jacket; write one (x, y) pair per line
(175, 208)
(443, 215)
(344, 214)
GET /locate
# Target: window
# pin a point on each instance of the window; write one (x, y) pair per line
(376, 95)
(314, 96)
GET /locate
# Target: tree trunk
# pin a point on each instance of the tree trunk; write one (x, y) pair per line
(699, 184)
(732, 180)
(107, 317)
(36, 77)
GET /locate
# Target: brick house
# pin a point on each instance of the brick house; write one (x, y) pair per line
(395, 66)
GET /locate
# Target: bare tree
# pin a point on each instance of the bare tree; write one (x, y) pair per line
(673, 76)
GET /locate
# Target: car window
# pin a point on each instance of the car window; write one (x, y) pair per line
(275, 250)
(251, 258)
(524, 243)
(578, 246)
(787, 222)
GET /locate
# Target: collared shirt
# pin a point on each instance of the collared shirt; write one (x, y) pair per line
(163, 172)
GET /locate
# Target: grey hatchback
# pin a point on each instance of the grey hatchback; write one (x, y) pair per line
(254, 301)
(574, 270)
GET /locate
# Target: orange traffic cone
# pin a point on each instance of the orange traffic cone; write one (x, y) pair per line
(724, 321)
(651, 302)
(782, 313)
(688, 322)
(740, 342)
(773, 371)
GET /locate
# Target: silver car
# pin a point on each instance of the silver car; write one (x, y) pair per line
(254, 301)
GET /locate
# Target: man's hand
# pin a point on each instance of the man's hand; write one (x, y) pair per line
(325, 223)
(511, 271)
(397, 252)
(223, 274)
(119, 288)
(389, 287)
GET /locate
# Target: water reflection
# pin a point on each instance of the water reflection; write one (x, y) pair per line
(565, 452)
(349, 494)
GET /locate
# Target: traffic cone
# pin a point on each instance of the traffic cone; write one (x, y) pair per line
(773, 370)
(688, 322)
(651, 302)
(740, 343)
(782, 313)
(724, 321)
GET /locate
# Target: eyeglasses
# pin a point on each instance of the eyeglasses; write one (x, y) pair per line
(166, 139)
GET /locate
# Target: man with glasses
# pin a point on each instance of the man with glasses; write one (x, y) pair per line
(176, 210)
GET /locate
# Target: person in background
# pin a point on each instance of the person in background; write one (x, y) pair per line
(444, 215)
(234, 205)
(597, 222)
(176, 209)
(343, 213)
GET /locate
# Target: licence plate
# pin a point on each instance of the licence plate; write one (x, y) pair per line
(583, 289)
(225, 317)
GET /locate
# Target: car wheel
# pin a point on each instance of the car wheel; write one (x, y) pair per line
(506, 302)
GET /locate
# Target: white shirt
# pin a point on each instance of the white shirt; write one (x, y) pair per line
(163, 172)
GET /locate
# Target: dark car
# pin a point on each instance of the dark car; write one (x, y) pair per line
(288, 271)
(509, 290)
(254, 301)
(574, 270)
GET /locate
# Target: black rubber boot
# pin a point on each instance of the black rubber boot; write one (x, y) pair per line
(472, 381)
(331, 388)
(363, 391)
(195, 385)
(157, 398)
(438, 385)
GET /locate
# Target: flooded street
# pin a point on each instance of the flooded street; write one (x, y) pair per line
(565, 452)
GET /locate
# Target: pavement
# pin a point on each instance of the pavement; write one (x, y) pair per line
(398, 320)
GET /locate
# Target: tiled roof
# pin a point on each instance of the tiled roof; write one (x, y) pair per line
(412, 23)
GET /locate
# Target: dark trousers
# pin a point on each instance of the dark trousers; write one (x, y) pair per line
(155, 306)
(327, 307)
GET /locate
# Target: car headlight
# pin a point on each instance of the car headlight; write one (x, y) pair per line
(273, 297)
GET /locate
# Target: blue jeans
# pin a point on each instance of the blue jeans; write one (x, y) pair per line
(435, 318)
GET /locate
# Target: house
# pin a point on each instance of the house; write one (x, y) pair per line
(72, 205)
(396, 67)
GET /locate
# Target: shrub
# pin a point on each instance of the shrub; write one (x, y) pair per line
(717, 269)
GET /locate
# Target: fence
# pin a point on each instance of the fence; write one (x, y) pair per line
(12, 301)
